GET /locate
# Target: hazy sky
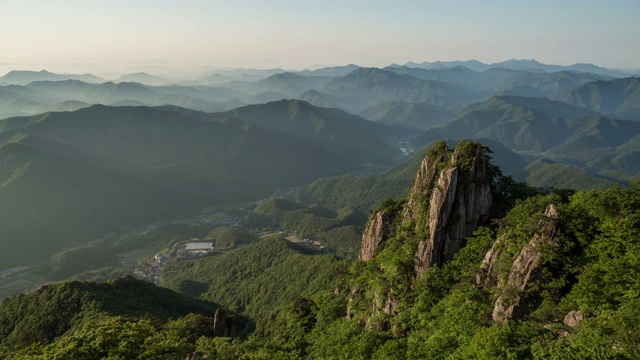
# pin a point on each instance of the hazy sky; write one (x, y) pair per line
(295, 34)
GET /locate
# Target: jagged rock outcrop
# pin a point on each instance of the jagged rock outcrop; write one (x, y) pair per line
(423, 183)
(449, 199)
(525, 271)
(377, 232)
(457, 198)
(224, 325)
(488, 274)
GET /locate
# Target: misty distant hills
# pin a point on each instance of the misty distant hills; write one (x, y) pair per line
(618, 97)
(334, 71)
(109, 92)
(22, 77)
(540, 104)
(143, 78)
(290, 84)
(237, 74)
(41, 96)
(285, 85)
(364, 87)
(319, 99)
(349, 87)
(514, 64)
(216, 79)
(525, 124)
(503, 80)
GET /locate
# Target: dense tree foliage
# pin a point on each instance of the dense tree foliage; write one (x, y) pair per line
(593, 269)
(582, 302)
(338, 230)
(59, 309)
(258, 280)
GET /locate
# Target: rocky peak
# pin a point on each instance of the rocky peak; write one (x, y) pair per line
(449, 199)
(525, 270)
(455, 190)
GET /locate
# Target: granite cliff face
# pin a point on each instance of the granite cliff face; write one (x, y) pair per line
(450, 198)
(423, 184)
(377, 232)
(455, 191)
(525, 271)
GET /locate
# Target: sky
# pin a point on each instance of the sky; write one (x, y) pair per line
(117, 35)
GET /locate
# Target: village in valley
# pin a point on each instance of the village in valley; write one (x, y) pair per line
(146, 250)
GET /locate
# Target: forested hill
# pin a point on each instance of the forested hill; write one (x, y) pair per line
(468, 266)
(57, 313)
(69, 177)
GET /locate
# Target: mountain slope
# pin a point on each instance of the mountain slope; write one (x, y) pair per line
(535, 124)
(258, 280)
(201, 157)
(420, 115)
(319, 99)
(618, 97)
(67, 177)
(349, 136)
(48, 203)
(54, 310)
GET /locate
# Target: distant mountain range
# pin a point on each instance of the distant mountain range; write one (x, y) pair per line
(22, 77)
(503, 80)
(527, 65)
(364, 87)
(144, 78)
(42, 96)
